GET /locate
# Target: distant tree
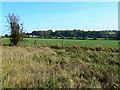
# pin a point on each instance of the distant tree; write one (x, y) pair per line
(118, 35)
(16, 28)
(6, 35)
(78, 34)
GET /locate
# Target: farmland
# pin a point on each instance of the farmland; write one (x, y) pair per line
(80, 64)
(66, 42)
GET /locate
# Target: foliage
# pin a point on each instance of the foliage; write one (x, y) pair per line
(78, 34)
(15, 28)
(6, 36)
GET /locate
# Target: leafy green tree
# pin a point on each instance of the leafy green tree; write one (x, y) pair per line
(6, 35)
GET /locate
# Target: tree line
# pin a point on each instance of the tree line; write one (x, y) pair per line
(78, 34)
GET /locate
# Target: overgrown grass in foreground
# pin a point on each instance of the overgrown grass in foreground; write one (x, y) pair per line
(66, 42)
(71, 67)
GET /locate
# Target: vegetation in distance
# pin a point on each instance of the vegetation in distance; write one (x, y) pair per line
(76, 34)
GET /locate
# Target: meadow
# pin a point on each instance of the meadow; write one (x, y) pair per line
(74, 66)
(71, 67)
(66, 42)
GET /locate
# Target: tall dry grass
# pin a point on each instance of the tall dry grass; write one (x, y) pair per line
(44, 67)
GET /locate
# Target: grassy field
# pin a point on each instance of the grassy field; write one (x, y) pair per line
(71, 67)
(49, 42)
(80, 64)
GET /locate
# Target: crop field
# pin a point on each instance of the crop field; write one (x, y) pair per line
(66, 42)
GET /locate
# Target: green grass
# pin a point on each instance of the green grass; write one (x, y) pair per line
(49, 42)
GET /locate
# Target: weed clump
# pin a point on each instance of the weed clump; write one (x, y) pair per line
(57, 46)
(99, 48)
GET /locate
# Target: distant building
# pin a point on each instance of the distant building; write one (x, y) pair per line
(112, 33)
(30, 35)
